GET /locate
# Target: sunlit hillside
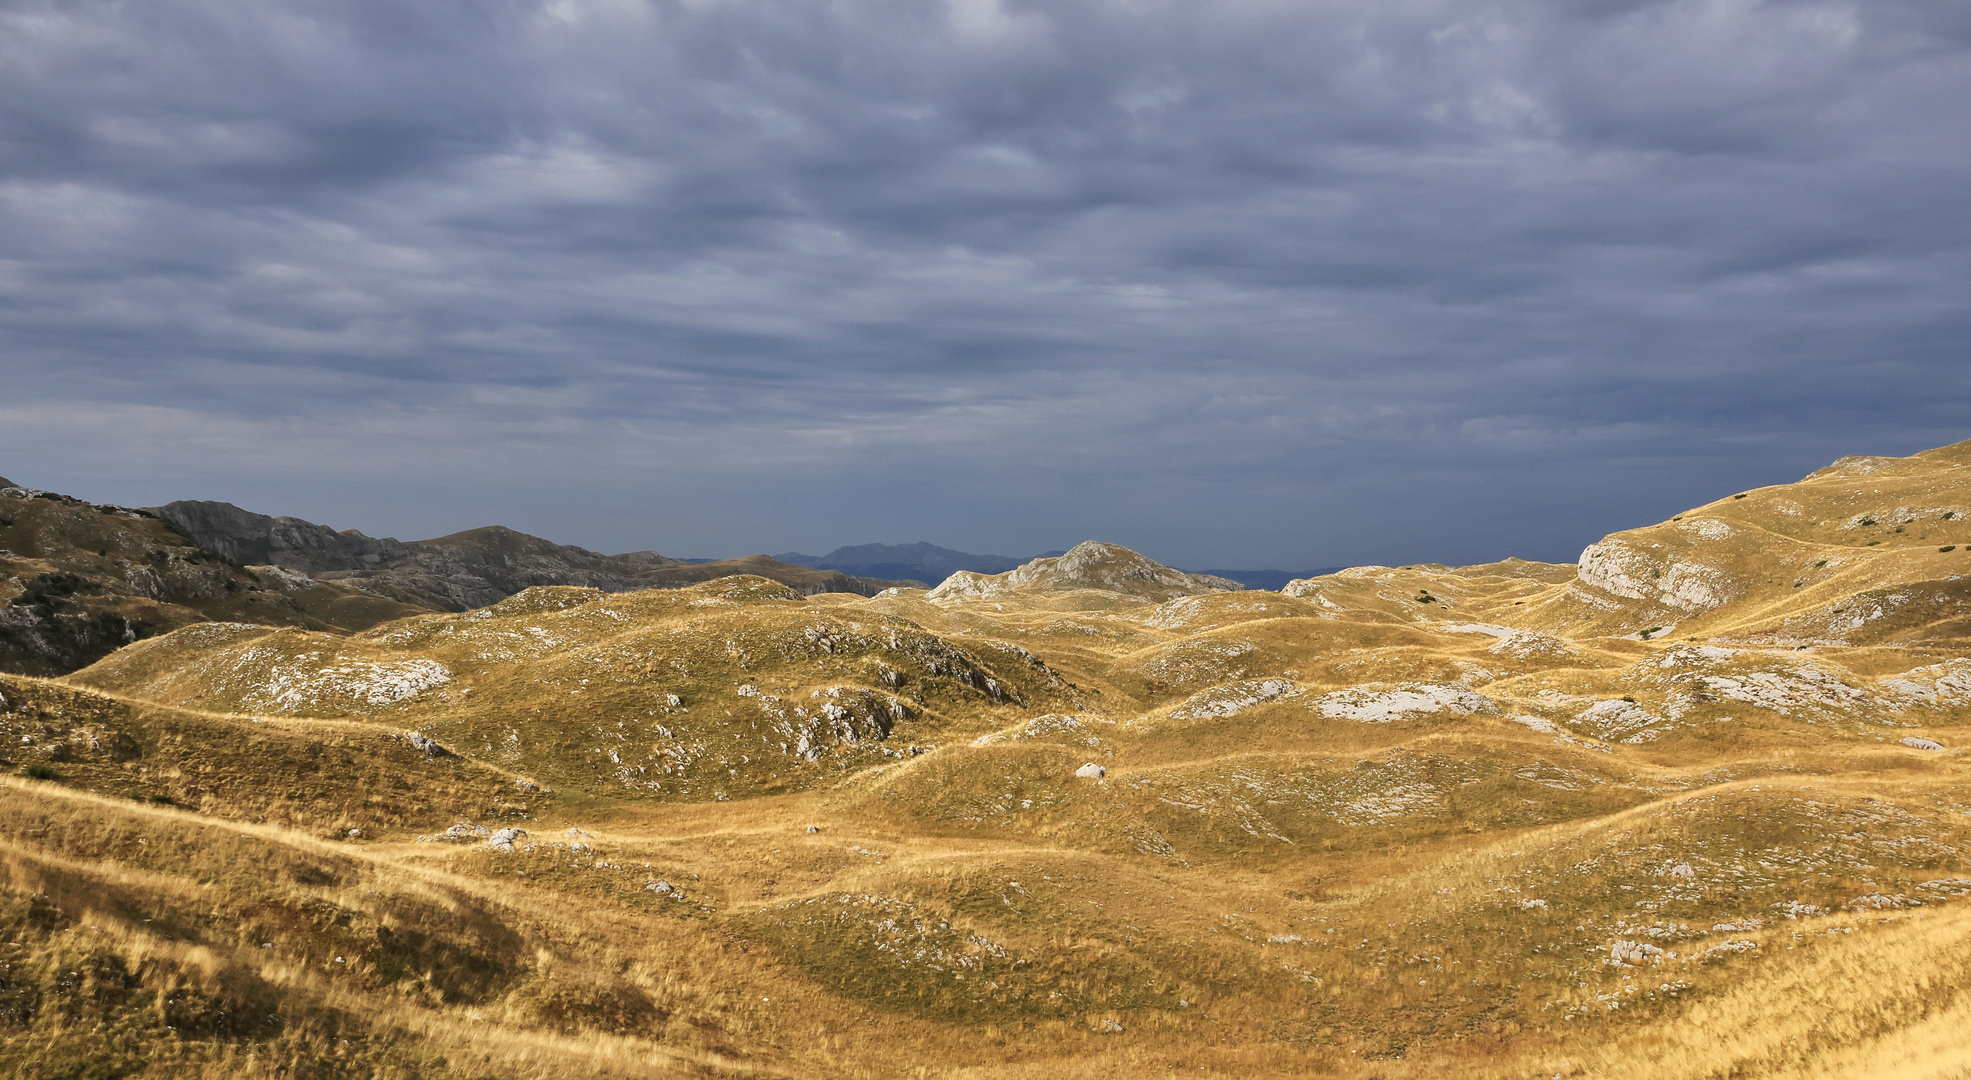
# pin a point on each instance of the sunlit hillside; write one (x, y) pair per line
(1695, 808)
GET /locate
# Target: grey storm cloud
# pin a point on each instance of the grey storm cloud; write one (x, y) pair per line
(1235, 282)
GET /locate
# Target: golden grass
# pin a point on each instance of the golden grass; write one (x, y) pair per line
(1260, 888)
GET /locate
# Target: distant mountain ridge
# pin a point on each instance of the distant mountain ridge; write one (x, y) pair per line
(921, 561)
(932, 564)
(79, 579)
(467, 569)
(1269, 580)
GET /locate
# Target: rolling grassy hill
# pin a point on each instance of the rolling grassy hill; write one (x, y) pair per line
(1692, 808)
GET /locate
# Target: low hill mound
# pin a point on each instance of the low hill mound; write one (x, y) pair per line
(737, 686)
(1089, 566)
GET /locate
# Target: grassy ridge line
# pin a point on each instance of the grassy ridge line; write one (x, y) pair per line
(717, 977)
(1865, 573)
(1822, 1014)
(82, 887)
(460, 1029)
(299, 725)
(1486, 862)
(332, 775)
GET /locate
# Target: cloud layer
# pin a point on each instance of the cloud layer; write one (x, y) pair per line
(1235, 282)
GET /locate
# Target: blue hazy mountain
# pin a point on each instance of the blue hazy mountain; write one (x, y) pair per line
(931, 564)
(1270, 580)
(923, 562)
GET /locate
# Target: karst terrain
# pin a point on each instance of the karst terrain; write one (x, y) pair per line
(1693, 807)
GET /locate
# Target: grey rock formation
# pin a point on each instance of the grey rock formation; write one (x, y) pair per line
(504, 839)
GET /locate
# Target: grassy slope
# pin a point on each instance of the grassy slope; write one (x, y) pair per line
(1347, 832)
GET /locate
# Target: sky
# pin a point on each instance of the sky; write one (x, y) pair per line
(1236, 283)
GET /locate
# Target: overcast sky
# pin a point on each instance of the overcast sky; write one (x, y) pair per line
(1238, 284)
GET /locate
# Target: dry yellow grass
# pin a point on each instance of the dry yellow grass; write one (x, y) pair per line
(1500, 821)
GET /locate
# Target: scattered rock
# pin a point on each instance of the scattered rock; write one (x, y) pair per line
(503, 840)
(1726, 948)
(1916, 743)
(1091, 771)
(460, 833)
(1633, 953)
(814, 829)
(426, 744)
(1740, 925)
(1620, 720)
